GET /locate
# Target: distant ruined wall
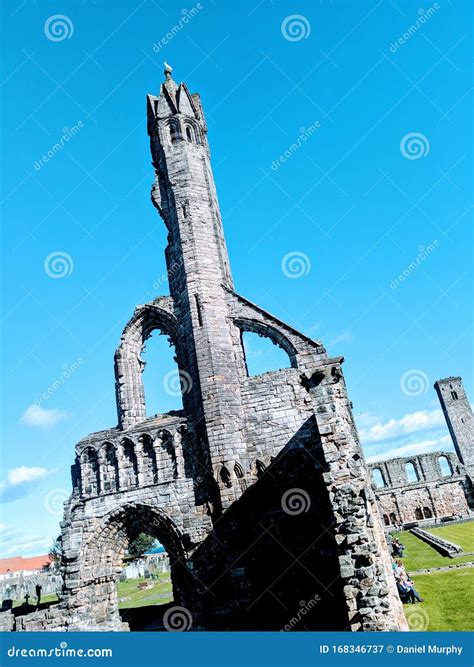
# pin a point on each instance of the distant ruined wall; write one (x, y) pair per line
(417, 488)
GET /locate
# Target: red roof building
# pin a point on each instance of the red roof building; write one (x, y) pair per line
(20, 564)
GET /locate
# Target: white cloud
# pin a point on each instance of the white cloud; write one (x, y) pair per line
(387, 451)
(24, 474)
(21, 481)
(35, 415)
(415, 422)
(15, 542)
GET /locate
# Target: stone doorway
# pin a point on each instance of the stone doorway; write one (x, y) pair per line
(103, 561)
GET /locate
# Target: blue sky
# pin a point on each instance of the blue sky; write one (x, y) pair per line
(360, 200)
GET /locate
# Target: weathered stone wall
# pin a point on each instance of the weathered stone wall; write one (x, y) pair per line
(16, 587)
(433, 495)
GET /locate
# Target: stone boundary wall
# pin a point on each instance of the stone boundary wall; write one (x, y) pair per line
(444, 546)
(15, 588)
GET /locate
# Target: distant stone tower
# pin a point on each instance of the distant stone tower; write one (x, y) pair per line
(258, 488)
(459, 418)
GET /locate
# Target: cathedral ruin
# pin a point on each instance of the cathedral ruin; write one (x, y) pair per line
(258, 488)
(437, 486)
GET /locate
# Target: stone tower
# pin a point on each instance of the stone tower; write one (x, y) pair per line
(258, 488)
(459, 418)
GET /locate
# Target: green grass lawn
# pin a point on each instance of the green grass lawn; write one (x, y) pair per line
(461, 533)
(419, 555)
(133, 597)
(52, 597)
(448, 604)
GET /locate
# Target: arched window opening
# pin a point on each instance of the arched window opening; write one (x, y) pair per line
(150, 469)
(225, 477)
(129, 464)
(166, 456)
(378, 478)
(189, 134)
(262, 355)
(418, 513)
(174, 132)
(238, 470)
(385, 520)
(89, 472)
(411, 473)
(445, 466)
(109, 469)
(393, 518)
(259, 468)
(162, 381)
(454, 395)
(427, 513)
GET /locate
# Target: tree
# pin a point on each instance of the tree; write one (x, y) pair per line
(140, 544)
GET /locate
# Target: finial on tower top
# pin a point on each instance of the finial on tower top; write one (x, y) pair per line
(168, 70)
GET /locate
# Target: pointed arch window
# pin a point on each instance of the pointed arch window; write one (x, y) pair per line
(174, 131)
(378, 478)
(411, 472)
(445, 466)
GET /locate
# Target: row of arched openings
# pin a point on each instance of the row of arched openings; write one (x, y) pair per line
(420, 513)
(116, 468)
(411, 472)
(226, 475)
(186, 131)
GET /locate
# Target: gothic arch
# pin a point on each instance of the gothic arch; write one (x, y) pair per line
(191, 132)
(129, 467)
(264, 329)
(102, 555)
(166, 458)
(148, 459)
(412, 473)
(379, 478)
(173, 130)
(445, 466)
(90, 483)
(130, 393)
(108, 467)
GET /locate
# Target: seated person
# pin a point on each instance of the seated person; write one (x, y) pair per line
(407, 588)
